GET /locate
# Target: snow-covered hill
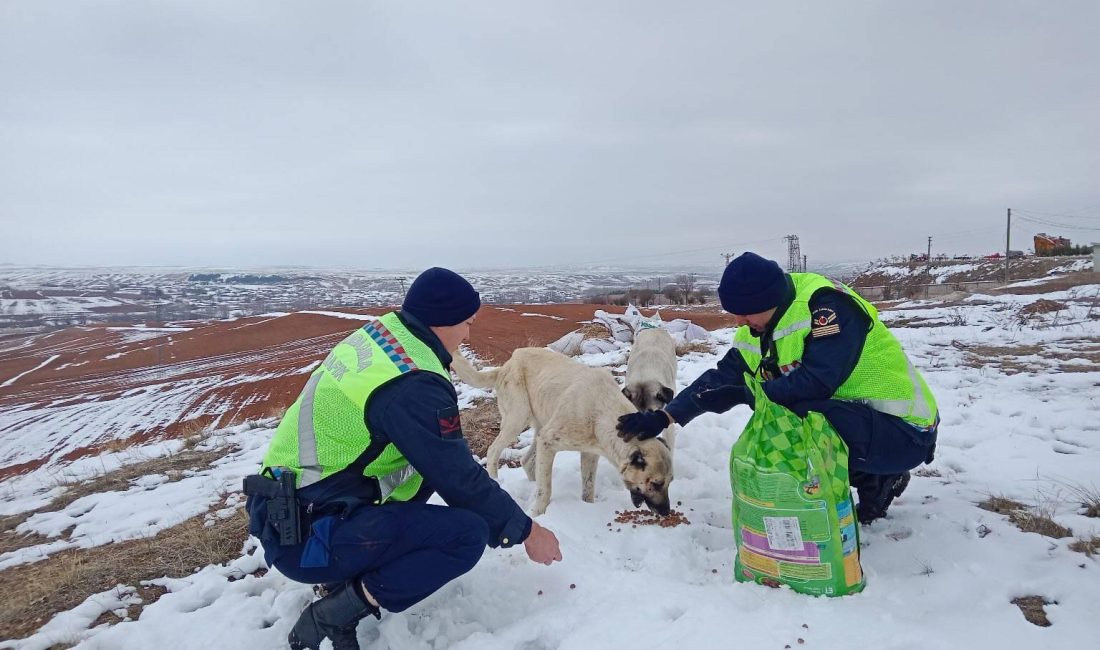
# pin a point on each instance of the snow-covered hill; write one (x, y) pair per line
(1016, 377)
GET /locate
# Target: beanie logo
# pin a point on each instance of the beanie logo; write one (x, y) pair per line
(823, 323)
(450, 423)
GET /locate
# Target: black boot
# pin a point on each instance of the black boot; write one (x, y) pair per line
(334, 617)
(876, 493)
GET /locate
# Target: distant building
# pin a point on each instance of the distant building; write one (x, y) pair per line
(1048, 244)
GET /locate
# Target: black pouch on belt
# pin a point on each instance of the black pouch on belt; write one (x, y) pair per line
(282, 507)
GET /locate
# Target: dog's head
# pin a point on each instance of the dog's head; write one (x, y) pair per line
(647, 473)
(648, 395)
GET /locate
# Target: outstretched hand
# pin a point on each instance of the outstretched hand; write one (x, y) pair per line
(542, 545)
(643, 426)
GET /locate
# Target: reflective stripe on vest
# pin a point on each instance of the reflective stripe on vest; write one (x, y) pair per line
(900, 407)
(387, 483)
(307, 437)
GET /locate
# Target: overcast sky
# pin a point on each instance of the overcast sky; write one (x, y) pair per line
(521, 133)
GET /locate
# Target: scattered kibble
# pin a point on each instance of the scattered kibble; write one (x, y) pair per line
(572, 586)
(714, 570)
(801, 641)
(650, 518)
(787, 647)
(540, 592)
(805, 626)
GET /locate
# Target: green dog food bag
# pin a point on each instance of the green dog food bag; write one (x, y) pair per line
(793, 516)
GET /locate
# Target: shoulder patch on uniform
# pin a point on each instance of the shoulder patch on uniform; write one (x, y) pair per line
(823, 323)
(450, 423)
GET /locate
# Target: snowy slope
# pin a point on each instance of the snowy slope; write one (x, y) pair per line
(941, 572)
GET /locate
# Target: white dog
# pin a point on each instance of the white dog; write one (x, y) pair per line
(651, 373)
(571, 407)
(651, 369)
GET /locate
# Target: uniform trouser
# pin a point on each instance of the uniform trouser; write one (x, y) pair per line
(880, 448)
(403, 552)
(878, 444)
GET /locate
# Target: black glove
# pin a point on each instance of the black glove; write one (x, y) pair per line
(643, 426)
(720, 399)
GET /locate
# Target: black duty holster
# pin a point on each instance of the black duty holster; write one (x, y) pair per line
(283, 513)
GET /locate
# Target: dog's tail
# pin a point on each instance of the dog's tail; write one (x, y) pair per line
(472, 376)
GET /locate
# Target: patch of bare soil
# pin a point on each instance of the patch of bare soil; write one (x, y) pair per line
(13, 541)
(1057, 283)
(1042, 306)
(1011, 359)
(244, 369)
(480, 425)
(34, 593)
(172, 466)
(1032, 608)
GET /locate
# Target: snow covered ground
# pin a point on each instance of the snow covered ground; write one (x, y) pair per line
(1019, 397)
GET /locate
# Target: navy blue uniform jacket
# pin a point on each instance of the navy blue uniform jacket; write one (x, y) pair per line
(826, 361)
(416, 413)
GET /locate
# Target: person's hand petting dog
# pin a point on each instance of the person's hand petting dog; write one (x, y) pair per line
(643, 426)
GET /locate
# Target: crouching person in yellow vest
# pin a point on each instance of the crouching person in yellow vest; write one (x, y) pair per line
(340, 499)
(816, 346)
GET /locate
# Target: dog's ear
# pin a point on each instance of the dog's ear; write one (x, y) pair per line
(637, 459)
(665, 394)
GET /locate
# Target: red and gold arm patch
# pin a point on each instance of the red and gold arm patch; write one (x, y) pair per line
(823, 323)
(450, 423)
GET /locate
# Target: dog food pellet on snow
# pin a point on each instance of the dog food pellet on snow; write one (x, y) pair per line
(649, 518)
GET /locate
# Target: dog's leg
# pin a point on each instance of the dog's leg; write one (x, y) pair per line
(589, 462)
(529, 460)
(544, 471)
(513, 420)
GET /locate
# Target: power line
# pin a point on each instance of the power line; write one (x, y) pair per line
(1047, 222)
(1058, 216)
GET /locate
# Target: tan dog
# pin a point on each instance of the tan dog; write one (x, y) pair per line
(651, 373)
(572, 408)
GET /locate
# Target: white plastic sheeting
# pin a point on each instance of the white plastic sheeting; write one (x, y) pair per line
(622, 328)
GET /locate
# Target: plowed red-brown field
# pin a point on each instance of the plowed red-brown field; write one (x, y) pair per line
(75, 390)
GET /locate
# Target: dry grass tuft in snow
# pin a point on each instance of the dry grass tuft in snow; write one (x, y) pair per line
(1032, 607)
(480, 425)
(1088, 496)
(1029, 520)
(1090, 546)
(687, 347)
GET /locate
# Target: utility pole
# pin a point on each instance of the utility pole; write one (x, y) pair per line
(727, 256)
(402, 281)
(1008, 240)
(928, 255)
(794, 255)
(804, 267)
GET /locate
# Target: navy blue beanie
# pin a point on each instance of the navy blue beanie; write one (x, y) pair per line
(439, 297)
(751, 285)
